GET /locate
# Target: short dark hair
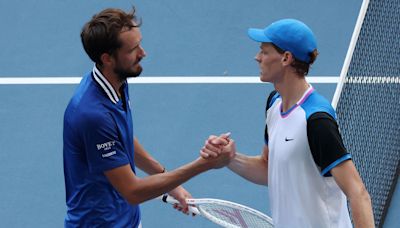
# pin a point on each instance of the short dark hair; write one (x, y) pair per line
(101, 34)
(301, 67)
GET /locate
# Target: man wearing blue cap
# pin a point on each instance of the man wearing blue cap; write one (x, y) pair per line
(309, 173)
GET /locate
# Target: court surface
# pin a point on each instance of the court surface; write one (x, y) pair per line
(182, 38)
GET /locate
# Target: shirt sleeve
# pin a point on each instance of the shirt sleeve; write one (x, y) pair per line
(103, 147)
(325, 142)
(267, 106)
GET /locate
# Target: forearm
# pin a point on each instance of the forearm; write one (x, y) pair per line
(144, 161)
(137, 190)
(155, 185)
(362, 210)
(148, 164)
(348, 179)
(252, 168)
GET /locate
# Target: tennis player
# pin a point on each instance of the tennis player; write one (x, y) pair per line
(309, 173)
(100, 150)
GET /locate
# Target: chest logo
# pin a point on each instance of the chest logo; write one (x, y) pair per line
(288, 139)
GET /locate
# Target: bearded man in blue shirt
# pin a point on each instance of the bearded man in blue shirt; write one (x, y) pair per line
(100, 150)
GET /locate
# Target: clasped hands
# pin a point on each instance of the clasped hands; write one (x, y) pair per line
(220, 149)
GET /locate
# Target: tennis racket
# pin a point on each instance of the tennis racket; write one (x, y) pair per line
(225, 213)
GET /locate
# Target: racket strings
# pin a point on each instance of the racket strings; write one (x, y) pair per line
(234, 217)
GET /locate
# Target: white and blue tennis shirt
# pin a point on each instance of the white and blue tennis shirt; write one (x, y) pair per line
(304, 145)
(98, 136)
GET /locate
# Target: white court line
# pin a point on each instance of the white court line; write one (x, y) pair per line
(156, 80)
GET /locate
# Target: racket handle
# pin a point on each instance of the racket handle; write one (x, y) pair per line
(171, 200)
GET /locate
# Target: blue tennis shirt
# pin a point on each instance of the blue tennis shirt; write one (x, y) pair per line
(98, 136)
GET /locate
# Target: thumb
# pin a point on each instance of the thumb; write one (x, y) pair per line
(225, 135)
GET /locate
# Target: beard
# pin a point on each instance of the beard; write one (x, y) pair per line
(124, 73)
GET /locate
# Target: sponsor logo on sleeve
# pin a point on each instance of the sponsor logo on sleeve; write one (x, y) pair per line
(105, 147)
(106, 155)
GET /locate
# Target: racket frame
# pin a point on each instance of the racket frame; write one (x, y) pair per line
(195, 206)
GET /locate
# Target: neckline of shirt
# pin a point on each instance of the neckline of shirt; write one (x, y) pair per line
(303, 98)
(105, 85)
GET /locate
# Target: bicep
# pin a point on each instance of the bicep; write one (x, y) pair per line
(144, 161)
(348, 178)
(138, 148)
(122, 179)
(264, 157)
(265, 154)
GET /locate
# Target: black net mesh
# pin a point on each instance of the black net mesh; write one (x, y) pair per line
(369, 105)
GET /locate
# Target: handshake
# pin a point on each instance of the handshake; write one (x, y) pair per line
(218, 150)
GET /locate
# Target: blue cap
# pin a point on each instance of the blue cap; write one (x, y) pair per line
(289, 35)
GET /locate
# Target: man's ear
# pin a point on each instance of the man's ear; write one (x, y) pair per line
(287, 58)
(107, 59)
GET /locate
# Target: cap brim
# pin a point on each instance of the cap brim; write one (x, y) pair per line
(258, 35)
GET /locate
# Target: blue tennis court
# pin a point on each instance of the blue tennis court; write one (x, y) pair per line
(182, 39)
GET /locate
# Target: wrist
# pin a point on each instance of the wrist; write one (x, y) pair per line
(204, 164)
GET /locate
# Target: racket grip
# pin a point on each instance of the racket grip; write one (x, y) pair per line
(171, 200)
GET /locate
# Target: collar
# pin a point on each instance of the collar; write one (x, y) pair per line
(306, 94)
(102, 81)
